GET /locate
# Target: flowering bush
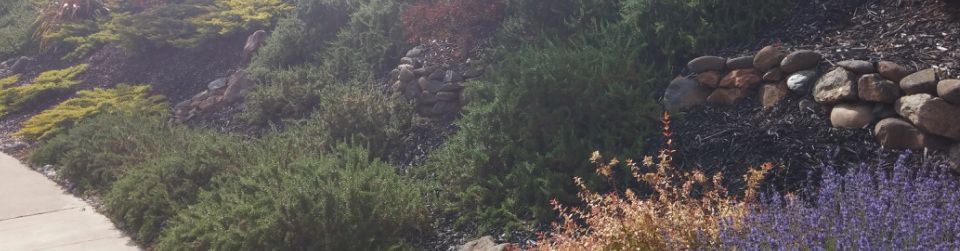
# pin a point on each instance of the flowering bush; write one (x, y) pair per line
(864, 209)
(683, 212)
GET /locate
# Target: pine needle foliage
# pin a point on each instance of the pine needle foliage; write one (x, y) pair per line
(89, 103)
(9, 81)
(45, 85)
(16, 24)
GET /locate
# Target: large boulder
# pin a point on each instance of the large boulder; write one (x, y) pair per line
(768, 57)
(851, 115)
(772, 94)
(707, 63)
(872, 87)
(684, 93)
(835, 86)
(726, 96)
(931, 115)
(709, 79)
(254, 42)
(737, 63)
(800, 60)
(858, 66)
(896, 133)
(924, 81)
(892, 71)
(949, 90)
(238, 85)
(801, 81)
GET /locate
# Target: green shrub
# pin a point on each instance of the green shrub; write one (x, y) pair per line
(16, 20)
(521, 137)
(289, 93)
(154, 191)
(288, 201)
(122, 99)
(48, 84)
(96, 152)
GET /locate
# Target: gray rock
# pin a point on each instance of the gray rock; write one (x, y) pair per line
(427, 98)
(924, 81)
(684, 93)
(415, 52)
(217, 84)
(835, 86)
(872, 87)
(485, 243)
(896, 133)
(412, 91)
(437, 75)
(949, 90)
(799, 60)
(851, 115)
(707, 63)
(238, 85)
(425, 71)
(767, 58)
(433, 85)
(744, 62)
(13, 146)
(407, 60)
(931, 115)
(452, 76)
(892, 71)
(858, 66)
(801, 82)
(406, 75)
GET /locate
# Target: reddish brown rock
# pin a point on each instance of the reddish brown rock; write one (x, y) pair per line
(740, 79)
(726, 96)
(851, 115)
(896, 133)
(768, 57)
(772, 94)
(892, 71)
(709, 79)
(872, 87)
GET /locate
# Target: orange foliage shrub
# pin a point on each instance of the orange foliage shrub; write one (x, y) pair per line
(684, 208)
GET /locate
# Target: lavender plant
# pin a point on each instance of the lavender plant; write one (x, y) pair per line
(868, 208)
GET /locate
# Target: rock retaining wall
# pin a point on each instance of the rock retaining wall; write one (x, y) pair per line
(904, 109)
(437, 88)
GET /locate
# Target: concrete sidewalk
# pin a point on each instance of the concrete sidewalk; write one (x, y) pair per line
(36, 214)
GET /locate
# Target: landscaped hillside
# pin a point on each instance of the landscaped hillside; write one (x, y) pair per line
(550, 125)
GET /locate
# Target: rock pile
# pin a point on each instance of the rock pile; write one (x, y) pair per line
(222, 91)
(438, 89)
(905, 110)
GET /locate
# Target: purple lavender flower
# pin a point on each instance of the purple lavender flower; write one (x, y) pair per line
(867, 208)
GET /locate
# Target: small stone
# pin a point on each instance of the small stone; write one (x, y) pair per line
(217, 84)
(851, 115)
(726, 96)
(447, 96)
(773, 75)
(684, 93)
(437, 75)
(949, 90)
(892, 71)
(434, 85)
(858, 66)
(872, 87)
(452, 76)
(423, 82)
(707, 63)
(424, 71)
(834, 87)
(800, 60)
(767, 58)
(238, 85)
(896, 133)
(924, 81)
(412, 91)
(745, 62)
(427, 98)
(801, 82)
(709, 79)
(451, 87)
(208, 103)
(931, 115)
(407, 60)
(415, 52)
(405, 66)
(485, 243)
(772, 94)
(406, 75)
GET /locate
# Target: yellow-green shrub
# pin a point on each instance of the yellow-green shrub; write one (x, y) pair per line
(88, 103)
(9, 81)
(48, 83)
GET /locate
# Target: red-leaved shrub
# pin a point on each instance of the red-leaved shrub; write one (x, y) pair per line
(455, 21)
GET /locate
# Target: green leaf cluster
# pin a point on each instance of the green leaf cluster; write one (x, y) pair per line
(88, 103)
(16, 26)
